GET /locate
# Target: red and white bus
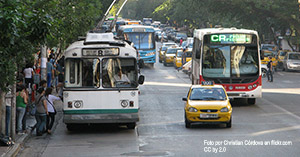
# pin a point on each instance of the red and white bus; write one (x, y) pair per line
(230, 57)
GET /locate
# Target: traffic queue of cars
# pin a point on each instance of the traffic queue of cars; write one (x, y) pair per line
(281, 59)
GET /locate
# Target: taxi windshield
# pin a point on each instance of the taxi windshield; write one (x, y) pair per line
(207, 94)
(172, 51)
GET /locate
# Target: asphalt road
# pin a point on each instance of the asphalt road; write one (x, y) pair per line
(269, 128)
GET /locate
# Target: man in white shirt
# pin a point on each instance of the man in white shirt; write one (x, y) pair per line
(28, 73)
(121, 77)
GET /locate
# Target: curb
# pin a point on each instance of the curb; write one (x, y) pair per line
(14, 150)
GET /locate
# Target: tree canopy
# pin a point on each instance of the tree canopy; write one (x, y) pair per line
(26, 25)
(265, 16)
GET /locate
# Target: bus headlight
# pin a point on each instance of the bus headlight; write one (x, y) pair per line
(150, 54)
(78, 104)
(124, 103)
(249, 87)
(230, 88)
(255, 85)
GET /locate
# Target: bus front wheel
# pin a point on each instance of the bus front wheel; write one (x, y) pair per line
(131, 125)
(251, 101)
(70, 127)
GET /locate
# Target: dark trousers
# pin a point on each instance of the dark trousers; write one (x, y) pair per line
(50, 120)
(7, 120)
(270, 75)
(41, 123)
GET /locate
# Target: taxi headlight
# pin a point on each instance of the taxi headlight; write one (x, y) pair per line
(224, 109)
(192, 109)
(124, 103)
(150, 54)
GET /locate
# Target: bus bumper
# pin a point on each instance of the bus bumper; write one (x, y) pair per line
(257, 93)
(101, 118)
(149, 59)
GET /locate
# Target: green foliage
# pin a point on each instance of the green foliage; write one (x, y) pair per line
(27, 24)
(263, 15)
(138, 9)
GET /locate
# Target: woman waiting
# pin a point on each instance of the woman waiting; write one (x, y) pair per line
(41, 112)
(21, 101)
(51, 109)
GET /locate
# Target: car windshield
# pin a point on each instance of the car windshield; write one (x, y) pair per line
(207, 94)
(282, 53)
(164, 48)
(181, 35)
(269, 47)
(172, 51)
(188, 54)
(179, 53)
(294, 56)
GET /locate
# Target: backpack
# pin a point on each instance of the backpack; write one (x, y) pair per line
(269, 64)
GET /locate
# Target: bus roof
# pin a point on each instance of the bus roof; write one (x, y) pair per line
(131, 28)
(199, 33)
(98, 41)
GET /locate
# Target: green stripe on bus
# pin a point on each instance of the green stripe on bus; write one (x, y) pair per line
(100, 111)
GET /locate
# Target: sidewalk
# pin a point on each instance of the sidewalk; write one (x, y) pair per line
(14, 149)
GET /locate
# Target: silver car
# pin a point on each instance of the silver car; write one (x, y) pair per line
(291, 61)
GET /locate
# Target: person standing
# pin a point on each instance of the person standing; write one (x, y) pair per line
(50, 73)
(51, 109)
(41, 112)
(21, 101)
(28, 73)
(180, 41)
(270, 70)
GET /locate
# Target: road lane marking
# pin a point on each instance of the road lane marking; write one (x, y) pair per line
(282, 90)
(167, 84)
(276, 130)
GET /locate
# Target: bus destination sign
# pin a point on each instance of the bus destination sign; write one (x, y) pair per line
(231, 38)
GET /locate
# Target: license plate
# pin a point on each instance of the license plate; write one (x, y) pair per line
(208, 115)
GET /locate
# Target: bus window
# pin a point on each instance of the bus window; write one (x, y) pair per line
(244, 60)
(216, 61)
(141, 40)
(83, 73)
(119, 72)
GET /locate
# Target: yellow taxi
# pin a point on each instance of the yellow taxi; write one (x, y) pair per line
(207, 103)
(280, 55)
(266, 58)
(187, 55)
(170, 54)
(162, 51)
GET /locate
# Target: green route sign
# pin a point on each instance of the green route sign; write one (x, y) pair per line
(231, 38)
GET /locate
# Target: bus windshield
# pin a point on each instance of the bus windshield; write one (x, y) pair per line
(225, 61)
(116, 73)
(119, 73)
(141, 40)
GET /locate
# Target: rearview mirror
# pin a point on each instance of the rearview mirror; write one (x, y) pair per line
(262, 55)
(184, 99)
(141, 79)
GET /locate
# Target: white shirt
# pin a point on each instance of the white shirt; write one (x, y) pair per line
(51, 98)
(28, 72)
(123, 78)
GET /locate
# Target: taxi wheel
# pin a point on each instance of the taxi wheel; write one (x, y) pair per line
(131, 125)
(228, 124)
(187, 123)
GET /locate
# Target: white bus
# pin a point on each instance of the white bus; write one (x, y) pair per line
(230, 57)
(101, 82)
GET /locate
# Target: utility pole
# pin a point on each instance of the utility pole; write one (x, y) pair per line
(43, 62)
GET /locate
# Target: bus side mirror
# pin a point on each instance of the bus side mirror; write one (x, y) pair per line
(141, 79)
(184, 99)
(262, 55)
(141, 63)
